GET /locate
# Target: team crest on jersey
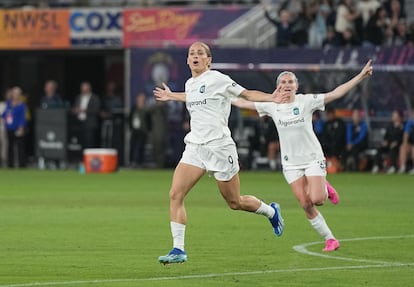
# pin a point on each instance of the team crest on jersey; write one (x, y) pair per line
(296, 111)
(202, 88)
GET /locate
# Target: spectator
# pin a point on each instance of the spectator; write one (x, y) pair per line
(112, 101)
(367, 8)
(356, 141)
(348, 38)
(264, 144)
(301, 25)
(410, 36)
(271, 140)
(391, 5)
(111, 115)
(317, 123)
(395, 12)
(87, 108)
(51, 99)
(318, 27)
(158, 132)
(390, 146)
(331, 40)
(15, 119)
(334, 136)
(407, 146)
(400, 35)
(283, 26)
(138, 123)
(375, 30)
(3, 131)
(346, 16)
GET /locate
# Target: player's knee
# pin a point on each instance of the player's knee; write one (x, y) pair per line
(307, 207)
(175, 194)
(318, 200)
(234, 205)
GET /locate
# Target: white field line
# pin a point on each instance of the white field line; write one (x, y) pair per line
(300, 248)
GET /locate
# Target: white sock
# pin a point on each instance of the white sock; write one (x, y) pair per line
(178, 233)
(319, 224)
(265, 210)
(272, 164)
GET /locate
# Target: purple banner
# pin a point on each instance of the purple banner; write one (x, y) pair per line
(150, 66)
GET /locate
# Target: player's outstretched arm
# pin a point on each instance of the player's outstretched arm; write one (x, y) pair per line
(341, 90)
(243, 104)
(166, 94)
(257, 96)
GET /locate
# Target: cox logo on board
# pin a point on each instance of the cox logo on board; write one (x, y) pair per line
(96, 27)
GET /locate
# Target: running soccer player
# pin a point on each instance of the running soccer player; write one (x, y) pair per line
(209, 146)
(303, 161)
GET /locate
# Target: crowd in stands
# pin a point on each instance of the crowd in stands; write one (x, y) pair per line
(325, 23)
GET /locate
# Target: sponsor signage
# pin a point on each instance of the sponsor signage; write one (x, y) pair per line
(96, 27)
(34, 29)
(177, 27)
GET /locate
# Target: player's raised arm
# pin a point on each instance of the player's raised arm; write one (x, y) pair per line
(341, 90)
(166, 94)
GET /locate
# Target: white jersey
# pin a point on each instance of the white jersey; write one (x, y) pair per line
(299, 145)
(208, 100)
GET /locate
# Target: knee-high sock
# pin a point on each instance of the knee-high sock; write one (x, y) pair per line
(319, 224)
(265, 210)
(178, 234)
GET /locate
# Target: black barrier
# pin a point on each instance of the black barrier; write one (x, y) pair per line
(51, 134)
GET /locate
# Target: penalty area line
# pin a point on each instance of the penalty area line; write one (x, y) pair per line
(211, 275)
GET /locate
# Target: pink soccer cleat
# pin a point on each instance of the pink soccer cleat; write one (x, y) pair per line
(331, 245)
(332, 194)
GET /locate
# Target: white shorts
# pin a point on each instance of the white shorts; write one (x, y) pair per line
(219, 158)
(317, 168)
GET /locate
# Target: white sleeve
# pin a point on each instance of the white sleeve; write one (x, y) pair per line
(262, 108)
(232, 87)
(315, 101)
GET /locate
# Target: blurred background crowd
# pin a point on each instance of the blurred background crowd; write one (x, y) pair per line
(148, 134)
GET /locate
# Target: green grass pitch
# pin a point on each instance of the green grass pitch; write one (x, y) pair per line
(61, 228)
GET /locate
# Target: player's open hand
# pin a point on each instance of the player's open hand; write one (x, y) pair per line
(162, 94)
(367, 70)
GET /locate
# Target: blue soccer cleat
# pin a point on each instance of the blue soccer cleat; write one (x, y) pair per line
(174, 256)
(277, 220)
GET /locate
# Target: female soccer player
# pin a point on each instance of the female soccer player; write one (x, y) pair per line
(209, 146)
(303, 161)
